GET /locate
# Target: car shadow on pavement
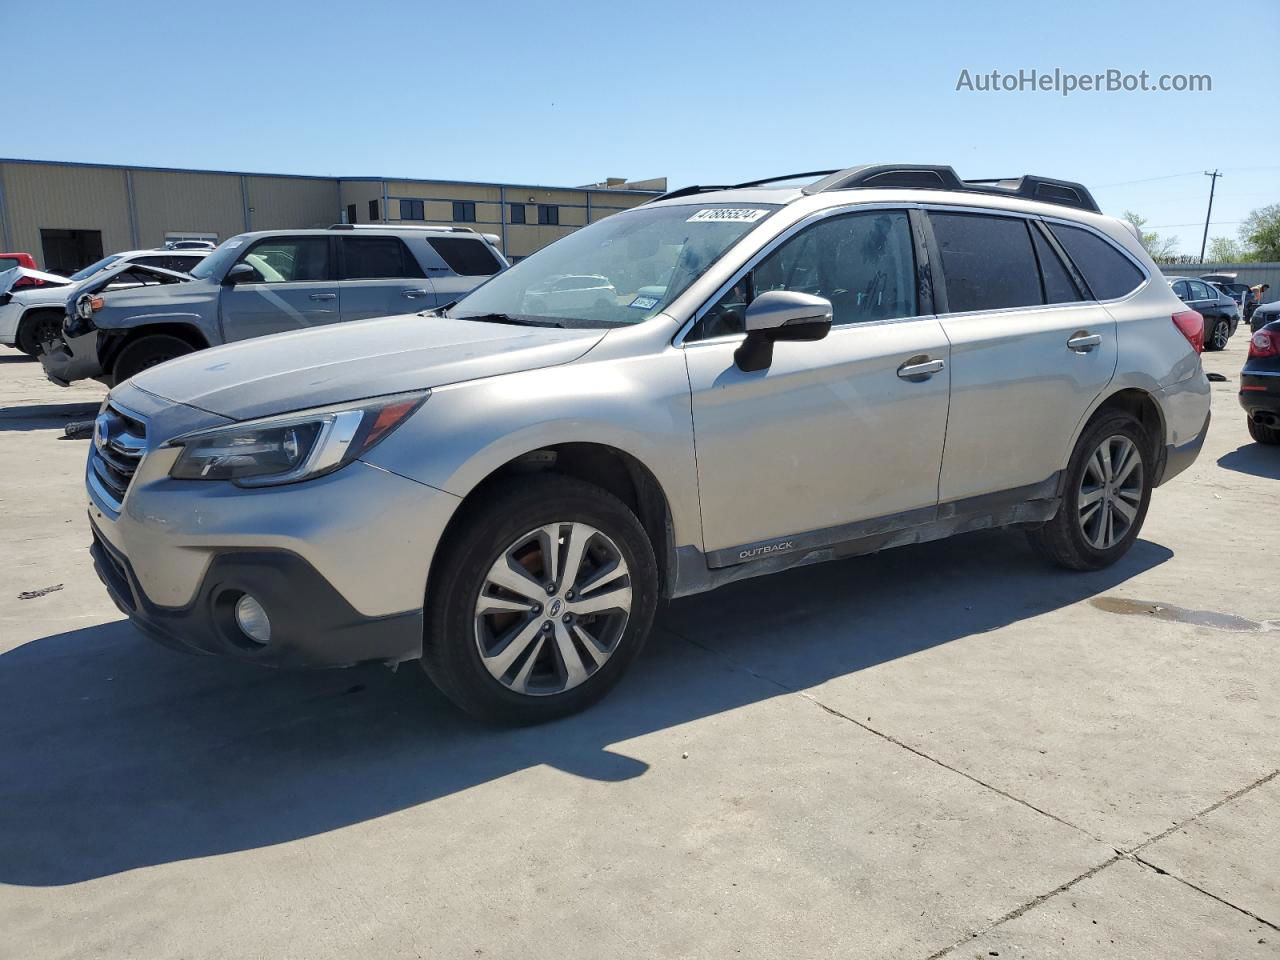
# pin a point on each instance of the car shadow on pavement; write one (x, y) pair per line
(1255, 459)
(46, 416)
(118, 754)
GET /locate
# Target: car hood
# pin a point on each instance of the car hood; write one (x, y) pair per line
(127, 305)
(11, 276)
(352, 361)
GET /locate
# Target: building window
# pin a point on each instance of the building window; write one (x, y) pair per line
(373, 211)
(351, 213)
(411, 210)
(464, 211)
(517, 213)
(548, 214)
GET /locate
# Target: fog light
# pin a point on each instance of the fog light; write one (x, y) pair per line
(252, 620)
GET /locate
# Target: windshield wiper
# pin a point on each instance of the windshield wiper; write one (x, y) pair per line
(508, 318)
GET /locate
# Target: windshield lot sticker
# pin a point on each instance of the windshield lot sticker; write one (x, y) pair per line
(727, 215)
(644, 303)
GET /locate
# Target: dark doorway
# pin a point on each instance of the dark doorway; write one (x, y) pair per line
(66, 251)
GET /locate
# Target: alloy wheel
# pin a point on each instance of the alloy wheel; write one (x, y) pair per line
(1221, 334)
(1110, 492)
(552, 608)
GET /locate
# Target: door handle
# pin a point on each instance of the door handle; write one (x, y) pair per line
(324, 296)
(1084, 342)
(414, 294)
(921, 368)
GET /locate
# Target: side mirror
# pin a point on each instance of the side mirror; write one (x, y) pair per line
(780, 315)
(240, 273)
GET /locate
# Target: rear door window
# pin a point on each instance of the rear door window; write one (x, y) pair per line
(1109, 273)
(1201, 291)
(377, 258)
(988, 262)
(465, 257)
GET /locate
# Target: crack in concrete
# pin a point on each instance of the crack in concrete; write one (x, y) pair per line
(1129, 854)
(883, 735)
(1198, 889)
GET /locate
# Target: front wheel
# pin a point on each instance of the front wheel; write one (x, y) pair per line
(148, 351)
(1108, 490)
(36, 329)
(540, 599)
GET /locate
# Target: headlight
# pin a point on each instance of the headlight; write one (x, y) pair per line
(291, 448)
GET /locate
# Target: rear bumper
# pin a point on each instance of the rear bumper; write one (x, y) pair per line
(1180, 456)
(311, 623)
(1260, 396)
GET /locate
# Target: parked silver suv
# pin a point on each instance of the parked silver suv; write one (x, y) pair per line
(267, 282)
(783, 373)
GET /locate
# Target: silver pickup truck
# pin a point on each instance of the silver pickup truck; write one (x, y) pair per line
(266, 282)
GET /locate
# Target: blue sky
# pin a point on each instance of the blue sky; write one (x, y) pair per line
(568, 93)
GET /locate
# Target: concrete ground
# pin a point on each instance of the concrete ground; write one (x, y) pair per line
(946, 750)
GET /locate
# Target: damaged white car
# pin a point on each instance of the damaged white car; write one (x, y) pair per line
(32, 316)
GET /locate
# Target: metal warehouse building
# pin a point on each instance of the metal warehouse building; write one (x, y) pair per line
(68, 215)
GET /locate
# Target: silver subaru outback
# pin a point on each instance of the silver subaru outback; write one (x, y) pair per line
(762, 376)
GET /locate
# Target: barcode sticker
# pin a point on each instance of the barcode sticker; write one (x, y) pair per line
(727, 215)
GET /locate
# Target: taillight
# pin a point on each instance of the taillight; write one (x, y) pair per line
(1265, 343)
(1191, 325)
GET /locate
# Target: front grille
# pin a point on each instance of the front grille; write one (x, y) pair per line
(119, 443)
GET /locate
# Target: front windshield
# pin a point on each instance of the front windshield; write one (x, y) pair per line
(216, 263)
(618, 271)
(93, 268)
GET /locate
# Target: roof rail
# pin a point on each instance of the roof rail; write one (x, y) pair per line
(698, 188)
(396, 226)
(919, 176)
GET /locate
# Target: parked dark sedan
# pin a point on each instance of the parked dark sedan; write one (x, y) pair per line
(1267, 313)
(1221, 315)
(1260, 384)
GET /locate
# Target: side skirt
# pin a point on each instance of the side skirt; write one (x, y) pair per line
(697, 572)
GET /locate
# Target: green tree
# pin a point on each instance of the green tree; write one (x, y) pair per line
(1260, 233)
(1160, 248)
(1224, 250)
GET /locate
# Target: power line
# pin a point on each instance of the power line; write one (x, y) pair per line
(1173, 176)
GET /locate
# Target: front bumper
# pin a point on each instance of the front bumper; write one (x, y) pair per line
(72, 358)
(339, 562)
(312, 624)
(10, 314)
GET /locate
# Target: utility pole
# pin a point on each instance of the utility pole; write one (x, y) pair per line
(1212, 184)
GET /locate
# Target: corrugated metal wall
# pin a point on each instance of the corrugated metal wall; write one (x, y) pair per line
(188, 202)
(63, 198)
(1250, 273)
(136, 207)
(279, 203)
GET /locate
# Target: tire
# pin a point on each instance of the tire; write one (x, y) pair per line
(1218, 336)
(37, 327)
(1262, 434)
(1084, 544)
(507, 665)
(146, 352)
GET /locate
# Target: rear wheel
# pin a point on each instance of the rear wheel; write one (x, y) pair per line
(539, 601)
(147, 352)
(1218, 337)
(36, 328)
(1263, 434)
(1108, 490)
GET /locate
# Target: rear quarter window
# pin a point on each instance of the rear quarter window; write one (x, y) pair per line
(465, 257)
(1109, 273)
